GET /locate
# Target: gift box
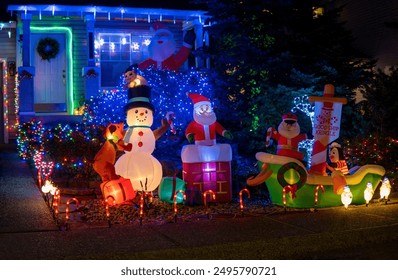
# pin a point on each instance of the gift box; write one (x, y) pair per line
(119, 190)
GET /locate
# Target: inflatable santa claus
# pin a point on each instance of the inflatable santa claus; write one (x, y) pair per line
(203, 131)
(206, 164)
(204, 127)
(287, 136)
(162, 49)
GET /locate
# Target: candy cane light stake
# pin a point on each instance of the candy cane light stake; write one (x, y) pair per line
(109, 200)
(67, 209)
(241, 199)
(175, 202)
(284, 191)
(316, 193)
(212, 196)
(142, 203)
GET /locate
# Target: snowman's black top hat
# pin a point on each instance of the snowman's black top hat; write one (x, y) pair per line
(139, 96)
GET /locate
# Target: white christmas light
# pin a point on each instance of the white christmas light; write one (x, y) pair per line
(368, 193)
(47, 187)
(385, 189)
(346, 196)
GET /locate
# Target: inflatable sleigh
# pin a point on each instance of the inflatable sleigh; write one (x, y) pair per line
(290, 185)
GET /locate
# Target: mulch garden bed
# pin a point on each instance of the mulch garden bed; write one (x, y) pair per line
(90, 210)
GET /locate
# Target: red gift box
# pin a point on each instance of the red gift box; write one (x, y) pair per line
(119, 190)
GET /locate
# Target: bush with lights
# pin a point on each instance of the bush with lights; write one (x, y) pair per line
(73, 146)
(374, 149)
(169, 93)
(29, 139)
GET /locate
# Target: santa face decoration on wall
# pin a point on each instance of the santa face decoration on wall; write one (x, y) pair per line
(162, 45)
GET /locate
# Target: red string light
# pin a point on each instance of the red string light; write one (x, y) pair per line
(241, 199)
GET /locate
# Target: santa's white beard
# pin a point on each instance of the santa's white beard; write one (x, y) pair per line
(160, 52)
(205, 119)
(288, 131)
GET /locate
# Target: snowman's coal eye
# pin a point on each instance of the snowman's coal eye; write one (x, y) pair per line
(136, 111)
(146, 111)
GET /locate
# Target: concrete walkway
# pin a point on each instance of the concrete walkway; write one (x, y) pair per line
(22, 208)
(28, 231)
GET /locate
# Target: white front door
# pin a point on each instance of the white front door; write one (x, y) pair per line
(50, 80)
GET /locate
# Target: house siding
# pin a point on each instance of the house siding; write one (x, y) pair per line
(81, 20)
(80, 43)
(7, 54)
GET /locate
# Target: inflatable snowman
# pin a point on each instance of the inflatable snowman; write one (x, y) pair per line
(138, 165)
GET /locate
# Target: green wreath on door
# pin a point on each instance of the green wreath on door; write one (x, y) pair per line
(47, 48)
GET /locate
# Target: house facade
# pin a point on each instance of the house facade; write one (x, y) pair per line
(7, 81)
(63, 55)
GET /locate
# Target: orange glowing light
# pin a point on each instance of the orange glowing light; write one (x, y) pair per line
(212, 196)
(285, 189)
(73, 199)
(241, 199)
(56, 201)
(175, 199)
(316, 193)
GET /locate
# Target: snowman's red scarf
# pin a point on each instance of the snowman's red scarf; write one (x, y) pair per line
(130, 131)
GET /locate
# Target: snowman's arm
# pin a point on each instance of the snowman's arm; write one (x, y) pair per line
(161, 130)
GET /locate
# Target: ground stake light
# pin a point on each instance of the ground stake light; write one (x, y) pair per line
(67, 209)
(316, 193)
(142, 203)
(385, 189)
(241, 198)
(212, 196)
(175, 202)
(368, 193)
(56, 202)
(108, 201)
(346, 196)
(38, 158)
(47, 187)
(284, 191)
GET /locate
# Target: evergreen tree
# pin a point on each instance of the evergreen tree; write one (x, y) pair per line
(380, 104)
(268, 52)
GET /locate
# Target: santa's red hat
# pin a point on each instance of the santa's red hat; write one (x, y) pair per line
(159, 27)
(198, 99)
(289, 117)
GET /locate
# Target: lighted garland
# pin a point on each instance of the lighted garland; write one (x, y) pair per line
(47, 48)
